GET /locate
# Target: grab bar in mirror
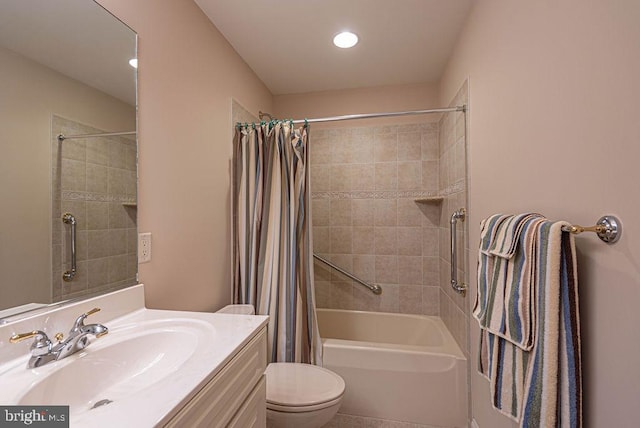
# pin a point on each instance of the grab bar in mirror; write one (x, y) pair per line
(70, 219)
(460, 288)
(62, 137)
(375, 288)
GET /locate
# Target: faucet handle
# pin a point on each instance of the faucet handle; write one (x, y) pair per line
(40, 346)
(79, 322)
(19, 337)
(91, 312)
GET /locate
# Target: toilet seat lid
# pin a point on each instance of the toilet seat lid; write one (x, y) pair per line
(298, 385)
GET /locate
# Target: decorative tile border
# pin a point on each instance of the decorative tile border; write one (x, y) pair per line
(377, 194)
(97, 197)
(456, 187)
(389, 194)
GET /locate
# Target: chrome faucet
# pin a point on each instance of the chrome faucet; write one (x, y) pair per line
(43, 350)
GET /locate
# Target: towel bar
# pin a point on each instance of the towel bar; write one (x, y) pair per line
(608, 228)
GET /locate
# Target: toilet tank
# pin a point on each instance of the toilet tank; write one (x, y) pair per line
(238, 310)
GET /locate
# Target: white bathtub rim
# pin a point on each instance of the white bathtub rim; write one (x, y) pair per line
(441, 351)
(384, 314)
(449, 346)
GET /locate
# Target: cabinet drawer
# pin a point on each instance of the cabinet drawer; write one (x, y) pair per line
(218, 401)
(253, 413)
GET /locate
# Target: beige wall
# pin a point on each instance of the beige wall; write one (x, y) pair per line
(554, 128)
(354, 101)
(31, 93)
(187, 75)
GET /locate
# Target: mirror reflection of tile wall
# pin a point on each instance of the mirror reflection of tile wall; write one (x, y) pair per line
(95, 180)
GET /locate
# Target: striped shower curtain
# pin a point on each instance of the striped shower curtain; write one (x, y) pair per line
(272, 254)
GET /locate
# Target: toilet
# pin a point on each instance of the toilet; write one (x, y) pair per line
(298, 395)
(301, 395)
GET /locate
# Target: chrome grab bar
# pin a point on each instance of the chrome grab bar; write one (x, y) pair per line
(460, 288)
(375, 288)
(69, 218)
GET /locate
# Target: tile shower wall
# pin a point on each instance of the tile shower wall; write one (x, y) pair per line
(364, 182)
(95, 180)
(454, 308)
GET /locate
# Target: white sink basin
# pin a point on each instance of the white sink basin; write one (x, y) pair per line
(140, 374)
(123, 366)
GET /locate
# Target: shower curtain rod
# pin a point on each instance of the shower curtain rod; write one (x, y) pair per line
(63, 137)
(462, 108)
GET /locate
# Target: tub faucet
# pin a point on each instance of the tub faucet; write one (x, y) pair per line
(43, 350)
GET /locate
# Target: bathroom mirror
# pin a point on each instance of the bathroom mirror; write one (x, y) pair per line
(64, 69)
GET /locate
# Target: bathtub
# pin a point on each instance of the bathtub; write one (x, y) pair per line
(397, 367)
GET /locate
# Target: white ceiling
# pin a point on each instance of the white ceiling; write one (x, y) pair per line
(288, 43)
(77, 38)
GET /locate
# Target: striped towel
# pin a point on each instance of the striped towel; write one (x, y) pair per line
(540, 387)
(506, 304)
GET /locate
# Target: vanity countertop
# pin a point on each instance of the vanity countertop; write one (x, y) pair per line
(148, 367)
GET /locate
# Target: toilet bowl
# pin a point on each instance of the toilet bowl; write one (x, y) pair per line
(301, 395)
(298, 395)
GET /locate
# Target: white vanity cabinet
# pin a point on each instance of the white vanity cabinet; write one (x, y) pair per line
(235, 397)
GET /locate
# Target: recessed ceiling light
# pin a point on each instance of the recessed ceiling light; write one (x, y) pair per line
(346, 39)
(133, 62)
